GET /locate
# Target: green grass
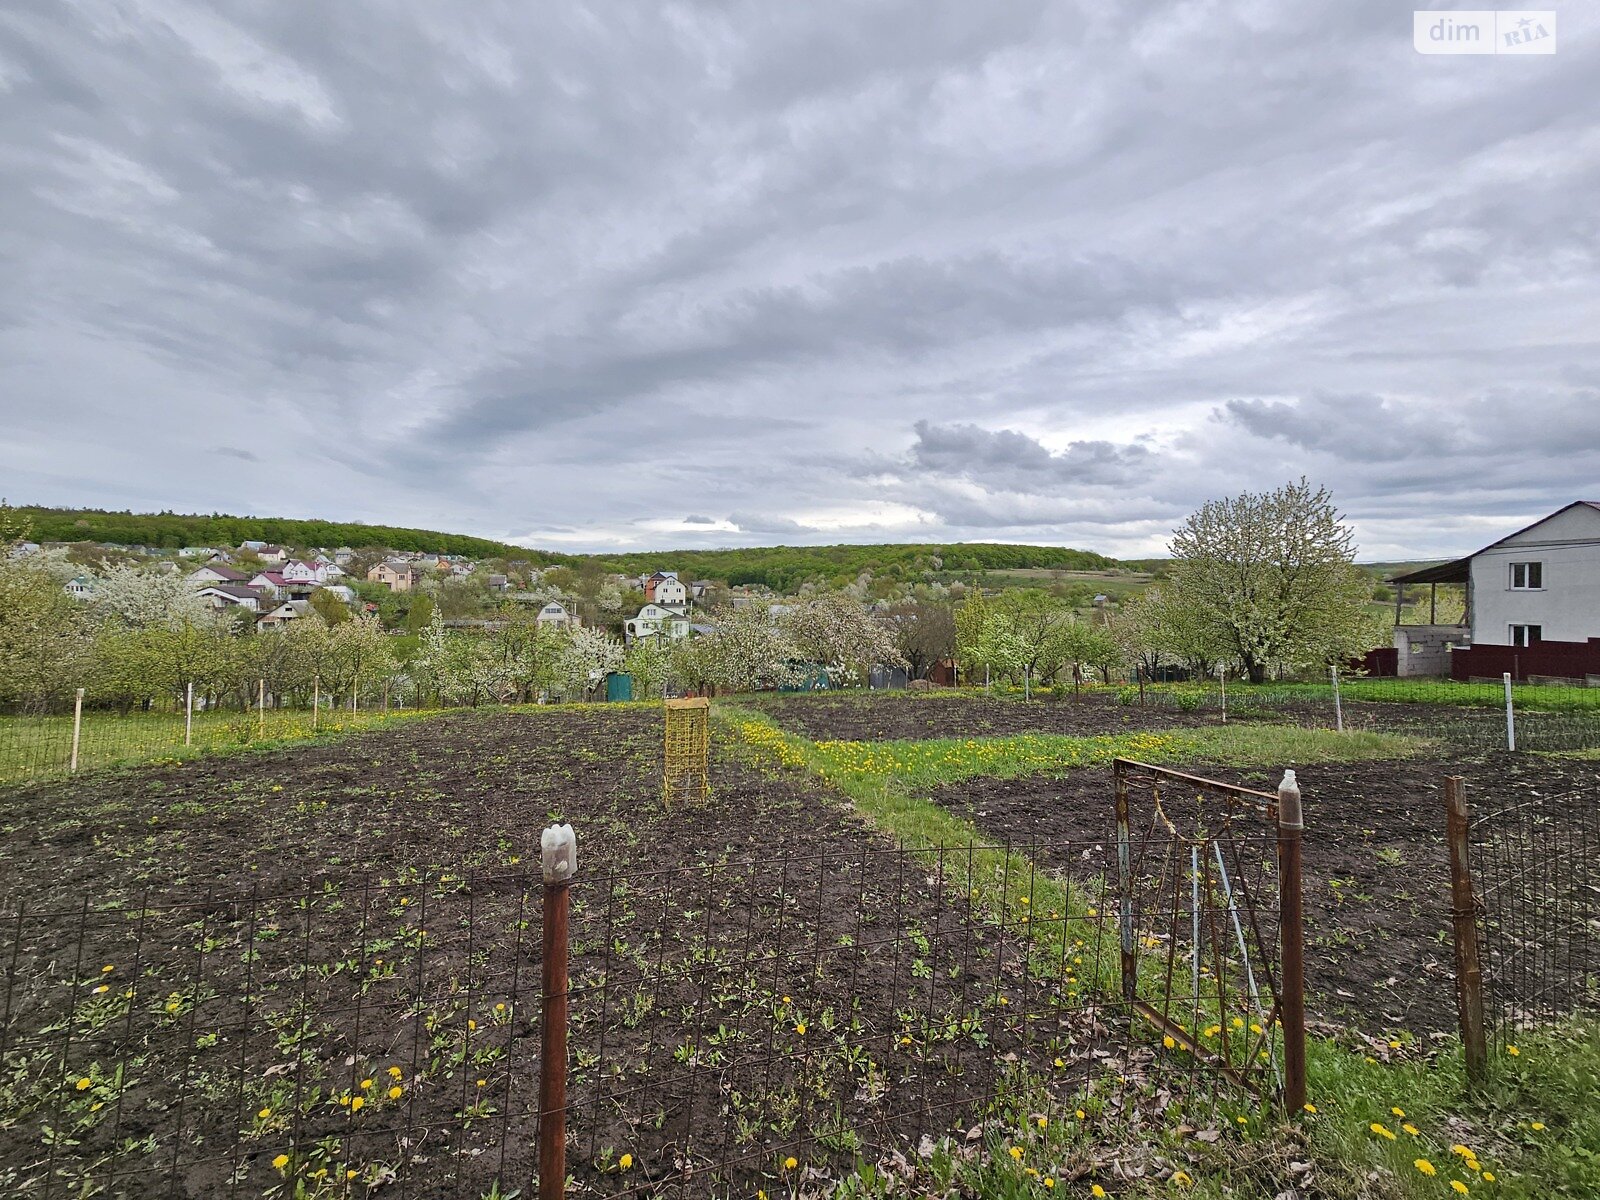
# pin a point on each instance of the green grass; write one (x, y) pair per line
(1551, 1082)
(1389, 691)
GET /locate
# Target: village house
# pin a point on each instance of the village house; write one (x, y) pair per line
(229, 595)
(1532, 605)
(555, 613)
(657, 620)
(395, 575)
(80, 588)
(216, 572)
(664, 587)
(289, 610)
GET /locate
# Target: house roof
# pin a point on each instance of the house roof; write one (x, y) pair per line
(1460, 570)
(225, 572)
(233, 590)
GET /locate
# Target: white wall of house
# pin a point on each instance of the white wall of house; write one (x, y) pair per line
(671, 591)
(1566, 605)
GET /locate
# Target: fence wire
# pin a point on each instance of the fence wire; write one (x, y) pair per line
(741, 1025)
(1536, 874)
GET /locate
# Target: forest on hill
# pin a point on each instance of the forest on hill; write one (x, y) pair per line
(781, 568)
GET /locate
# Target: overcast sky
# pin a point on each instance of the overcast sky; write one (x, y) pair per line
(649, 275)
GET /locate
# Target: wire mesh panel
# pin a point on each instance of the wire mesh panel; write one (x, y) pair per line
(1536, 873)
(686, 763)
(752, 1022)
(1199, 911)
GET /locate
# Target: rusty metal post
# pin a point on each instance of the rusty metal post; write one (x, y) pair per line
(1464, 923)
(1130, 965)
(558, 848)
(1291, 932)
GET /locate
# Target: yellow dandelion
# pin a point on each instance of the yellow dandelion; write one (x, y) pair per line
(1537, 1126)
(1381, 1130)
(1098, 1192)
(85, 1084)
(1048, 1182)
(1397, 1111)
(1513, 1051)
(395, 1072)
(1015, 1152)
(1044, 1122)
(790, 1163)
(396, 1092)
(355, 1104)
(1182, 1178)
(264, 1113)
(625, 1161)
(1426, 1167)
(1488, 1176)
(483, 1082)
(1411, 1129)
(350, 1173)
(107, 968)
(1458, 1186)
(366, 1085)
(101, 990)
(281, 1162)
(1310, 1108)
(800, 1028)
(1081, 1115)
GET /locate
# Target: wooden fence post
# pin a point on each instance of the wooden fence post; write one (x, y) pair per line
(558, 854)
(261, 708)
(77, 727)
(1291, 933)
(316, 700)
(1128, 961)
(1464, 925)
(188, 714)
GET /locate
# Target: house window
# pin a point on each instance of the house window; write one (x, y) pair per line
(1526, 635)
(1527, 576)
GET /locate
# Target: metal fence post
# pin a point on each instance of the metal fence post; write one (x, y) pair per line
(1338, 706)
(1222, 674)
(1129, 964)
(1464, 925)
(1511, 716)
(1291, 931)
(188, 714)
(77, 727)
(261, 708)
(558, 854)
(316, 699)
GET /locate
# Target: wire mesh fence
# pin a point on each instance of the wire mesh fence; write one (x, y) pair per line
(44, 747)
(1535, 868)
(1468, 715)
(746, 1024)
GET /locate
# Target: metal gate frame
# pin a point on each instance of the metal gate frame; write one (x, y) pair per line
(1228, 907)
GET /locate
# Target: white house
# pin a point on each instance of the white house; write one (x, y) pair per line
(555, 613)
(228, 595)
(215, 573)
(657, 620)
(80, 588)
(289, 610)
(1539, 584)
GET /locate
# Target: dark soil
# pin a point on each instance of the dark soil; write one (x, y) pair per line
(874, 717)
(1376, 867)
(284, 930)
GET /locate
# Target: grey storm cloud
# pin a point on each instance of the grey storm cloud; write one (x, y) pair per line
(1026, 270)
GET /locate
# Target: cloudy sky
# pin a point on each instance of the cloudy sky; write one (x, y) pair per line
(724, 272)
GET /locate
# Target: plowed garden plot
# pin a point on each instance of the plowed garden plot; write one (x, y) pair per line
(874, 717)
(1376, 868)
(318, 969)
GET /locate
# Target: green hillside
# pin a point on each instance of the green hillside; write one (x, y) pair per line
(779, 567)
(169, 531)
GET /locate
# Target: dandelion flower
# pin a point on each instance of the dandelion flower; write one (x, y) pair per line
(483, 1082)
(350, 1173)
(85, 1084)
(1048, 1182)
(1397, 1111)
(1060, 1063)
(1513, 1051)
(395, 1072)
(1411, 1129)
(1488, 1176)
(625, 1161)
(1098, 1192)
(1458, 1186)
(790, 1163)
(1537, 1126)
(1310, 1108)
(264, 1113)
(1081, 1115)
(355, 1104)
(471, 1025)
(1044, 1122)
(101, 990)
(800, 1028)
(1182, 1178)
(281, 1162)
(396, 1092)
(1382, 1131)
(1426, 1167)
(1168, 1042)
(366, 1085)
(107, 968)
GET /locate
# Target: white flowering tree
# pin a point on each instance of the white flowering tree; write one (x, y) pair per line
(1270, 578)
(747, 649)
(590, 655)
(834, 630)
